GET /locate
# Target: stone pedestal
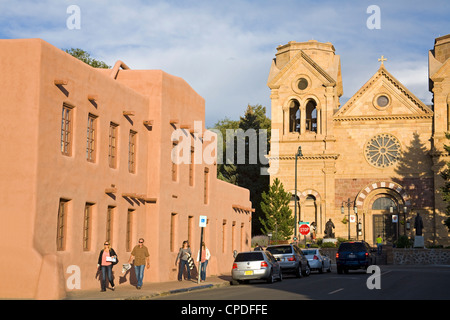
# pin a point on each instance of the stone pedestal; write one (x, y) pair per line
(332, 240)
(419, 242)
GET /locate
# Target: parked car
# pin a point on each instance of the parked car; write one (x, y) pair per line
(317, 260)
(354, 255)
(292, 259)
(255, 265)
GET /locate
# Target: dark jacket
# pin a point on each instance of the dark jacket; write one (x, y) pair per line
(112, 253)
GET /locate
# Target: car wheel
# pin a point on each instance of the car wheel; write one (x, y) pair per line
(270, 278)
(298, 273)
(307, 271)
(339, 270)
(234, 282)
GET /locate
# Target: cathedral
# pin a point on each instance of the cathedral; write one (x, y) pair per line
(372, 165)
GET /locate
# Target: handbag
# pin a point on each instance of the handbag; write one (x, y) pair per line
(190, 262)
(115, 260)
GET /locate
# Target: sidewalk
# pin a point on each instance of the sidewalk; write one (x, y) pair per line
(148, 290)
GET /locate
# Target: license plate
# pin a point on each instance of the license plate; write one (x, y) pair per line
(351, 256)
(248, 272)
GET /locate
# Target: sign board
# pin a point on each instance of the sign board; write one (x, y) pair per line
(304, 228)
(202, 221)
(394, 218)
(352, 218)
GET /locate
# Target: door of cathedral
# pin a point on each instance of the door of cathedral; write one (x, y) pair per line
(382, 225)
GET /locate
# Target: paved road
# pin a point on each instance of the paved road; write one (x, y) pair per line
(395, 282)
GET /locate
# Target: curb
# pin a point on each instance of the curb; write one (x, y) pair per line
(175, 291)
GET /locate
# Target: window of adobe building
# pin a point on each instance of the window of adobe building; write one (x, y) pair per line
(206, 186)
(132, 151)
(91, 138)
(61, 227)
(112, 148)
(87, 226)
(66, 130)
(129, 231)
(191, 168)
(109, 223)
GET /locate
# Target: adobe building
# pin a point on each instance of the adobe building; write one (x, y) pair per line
(87, 157)
(376, 160)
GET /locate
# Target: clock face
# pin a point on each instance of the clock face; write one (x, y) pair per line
(382, 151)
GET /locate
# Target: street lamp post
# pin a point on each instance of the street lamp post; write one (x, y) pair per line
(298, 154)
(355, 209)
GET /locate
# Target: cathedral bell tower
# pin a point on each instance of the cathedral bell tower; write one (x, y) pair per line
(306, 83)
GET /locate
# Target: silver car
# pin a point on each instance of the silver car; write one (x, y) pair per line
(317, 260)
(292, 259)
(255, 265)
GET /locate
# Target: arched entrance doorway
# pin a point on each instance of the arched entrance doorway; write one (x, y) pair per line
(378, 202)
(383, 207)
(380, 207)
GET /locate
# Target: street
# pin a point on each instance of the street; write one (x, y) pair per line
(395, 282)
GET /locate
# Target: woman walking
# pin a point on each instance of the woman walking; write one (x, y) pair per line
(106, 259)
(184, 255)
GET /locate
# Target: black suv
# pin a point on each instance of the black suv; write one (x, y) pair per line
(354, 255)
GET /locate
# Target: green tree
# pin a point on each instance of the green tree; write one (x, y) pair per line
(246, 175)
(446, 188)
(249, 174)
(226, 171)
(278, 216)
(86, 58)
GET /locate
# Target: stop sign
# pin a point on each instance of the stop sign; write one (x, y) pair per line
(304, 229)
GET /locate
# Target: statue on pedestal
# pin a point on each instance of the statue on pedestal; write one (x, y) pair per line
(418, 239)
(418, 225)
(329, 229)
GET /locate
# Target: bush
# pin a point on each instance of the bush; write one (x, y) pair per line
(404, 242)
(262, 240)
(328, 245)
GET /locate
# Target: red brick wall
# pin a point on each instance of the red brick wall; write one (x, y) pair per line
(419, 190)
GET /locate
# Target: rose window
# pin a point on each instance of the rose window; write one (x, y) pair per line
(382, 150)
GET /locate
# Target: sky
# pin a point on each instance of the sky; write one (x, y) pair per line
(224, 49)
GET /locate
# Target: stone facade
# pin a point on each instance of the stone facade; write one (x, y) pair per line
(379, 155)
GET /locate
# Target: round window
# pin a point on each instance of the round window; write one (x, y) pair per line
(382, 101)
(302, 84)
(382, 150)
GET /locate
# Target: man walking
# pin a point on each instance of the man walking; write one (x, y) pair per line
(141, 258)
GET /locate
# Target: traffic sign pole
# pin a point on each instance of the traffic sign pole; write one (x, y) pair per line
(304, 229)
(202, 225)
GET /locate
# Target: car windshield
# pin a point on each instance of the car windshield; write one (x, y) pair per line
(280, 250)
(352, 246)
(309, 252)
(249, 256)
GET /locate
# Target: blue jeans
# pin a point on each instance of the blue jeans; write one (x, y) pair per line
(139, 270)
(107, 270)
(180, 271)
(203, 270)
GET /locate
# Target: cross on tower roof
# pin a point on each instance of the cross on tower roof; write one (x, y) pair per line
(382, 59)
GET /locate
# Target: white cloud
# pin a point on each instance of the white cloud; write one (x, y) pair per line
(223, 49)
